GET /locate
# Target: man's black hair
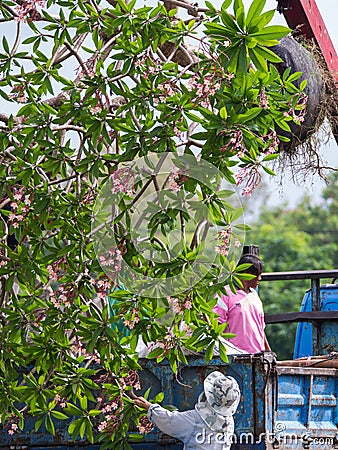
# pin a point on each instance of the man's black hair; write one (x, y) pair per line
(256, 267)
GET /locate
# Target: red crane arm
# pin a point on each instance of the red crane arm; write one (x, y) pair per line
(305, 16)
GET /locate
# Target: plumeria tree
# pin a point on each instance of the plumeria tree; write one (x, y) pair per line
(125, 130)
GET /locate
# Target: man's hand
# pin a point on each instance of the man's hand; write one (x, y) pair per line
(142, 402)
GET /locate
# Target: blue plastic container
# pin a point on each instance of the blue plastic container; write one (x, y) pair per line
(329, 336)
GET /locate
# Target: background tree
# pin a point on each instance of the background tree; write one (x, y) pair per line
(197, 90)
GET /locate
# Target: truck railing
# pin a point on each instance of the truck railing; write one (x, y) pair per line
(310, 316)
(315, 316)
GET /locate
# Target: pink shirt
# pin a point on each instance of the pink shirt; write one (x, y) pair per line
(245, 316)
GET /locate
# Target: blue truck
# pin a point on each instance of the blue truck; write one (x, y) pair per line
(284, 404)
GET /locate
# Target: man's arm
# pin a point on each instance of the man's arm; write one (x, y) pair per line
(266, 344)
(174, 423)
(142, 403)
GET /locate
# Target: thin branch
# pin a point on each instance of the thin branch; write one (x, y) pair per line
(62, 180)
(4, 203)
(10, 10)
(192, 9)
(69, 128)
(78, 57)
(9, 154)
(17, 39)
(136, 122)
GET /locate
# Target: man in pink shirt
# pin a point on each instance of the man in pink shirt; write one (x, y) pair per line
(243, 310)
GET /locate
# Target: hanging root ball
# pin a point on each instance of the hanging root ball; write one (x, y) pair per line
(299, 59)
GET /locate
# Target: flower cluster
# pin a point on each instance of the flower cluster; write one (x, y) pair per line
(178, 306)
(167, 343)
(110, 424)
(102, 287)
(271, 142)
(148, 65)
(27, 10)
(89, 197)
(131, 319)
(263, 100)
(3, 259)
(55, 270)
(88, 69)
(18, 93)
(62, 296)
(20, 207)
(176, 179)
(122, 181)
(298, 111)
(251, 176)
(250, 173)
(131, 379)
(61, 401)
(167, 90)
(12, 425)
(235, 145)
(78, 349)
(145, 426)
(225, 237)
(177, 131)
(207, 85)
(102, 102)
(112, 410)
(112, 259)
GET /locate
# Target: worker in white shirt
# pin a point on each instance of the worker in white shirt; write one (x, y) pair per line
(210, 424)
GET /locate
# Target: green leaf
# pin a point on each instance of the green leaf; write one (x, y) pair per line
(59, 415)
(270, 157)
(193, 116)
(209, 353)
(38, 424)
(269, 171)
(240, 17)
(283, 125)
(294, 76)
(73, 410)
(249, 115)
(255, 9)
(223, 113)
(223, 352)
(273, 32)
(49, 424)
(257, 59)
(216, 29)
(5, 44)
(303, 85)
(229, 22)
(133, 437)
(267, 54)
(225, 4)
(258, 23)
